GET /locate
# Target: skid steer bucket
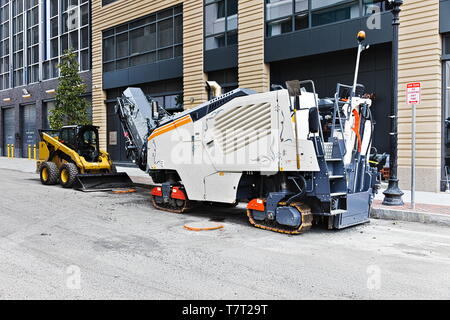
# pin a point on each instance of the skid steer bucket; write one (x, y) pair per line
(102, 182)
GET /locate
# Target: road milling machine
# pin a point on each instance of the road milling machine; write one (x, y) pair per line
(294, 158)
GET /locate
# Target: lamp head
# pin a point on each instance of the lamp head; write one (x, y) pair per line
(361, 36)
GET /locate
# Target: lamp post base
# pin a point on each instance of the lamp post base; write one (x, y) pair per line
(393, 194)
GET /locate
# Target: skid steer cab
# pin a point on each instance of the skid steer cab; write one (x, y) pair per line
(72, 157)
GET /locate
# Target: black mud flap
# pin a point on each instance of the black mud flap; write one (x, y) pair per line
(102, 181)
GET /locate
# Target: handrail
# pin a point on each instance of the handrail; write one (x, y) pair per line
(317, 106)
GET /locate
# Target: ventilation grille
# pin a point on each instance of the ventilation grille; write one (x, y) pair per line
(242, 125)
(328, 150)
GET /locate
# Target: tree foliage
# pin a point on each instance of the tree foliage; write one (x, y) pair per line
(70, 106)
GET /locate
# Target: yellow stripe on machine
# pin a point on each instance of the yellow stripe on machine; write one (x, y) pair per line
(170, 126)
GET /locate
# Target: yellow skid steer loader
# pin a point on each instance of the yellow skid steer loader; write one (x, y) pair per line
(72, 157)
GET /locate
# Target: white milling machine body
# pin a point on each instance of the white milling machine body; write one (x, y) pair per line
(291, 155)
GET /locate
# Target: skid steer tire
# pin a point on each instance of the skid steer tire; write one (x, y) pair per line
(68, 174)
(49, 173)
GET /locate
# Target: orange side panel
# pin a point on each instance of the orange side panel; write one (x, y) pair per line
(256, 204)
(156, 191)
(177, 193)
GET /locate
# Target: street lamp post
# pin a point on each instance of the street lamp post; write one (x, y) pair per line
(393, 194)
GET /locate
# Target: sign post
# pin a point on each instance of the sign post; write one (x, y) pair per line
(413, 99)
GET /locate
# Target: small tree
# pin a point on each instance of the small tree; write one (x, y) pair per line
(70, 106)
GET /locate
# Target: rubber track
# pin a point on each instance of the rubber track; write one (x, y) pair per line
(307, 219)
(188, 205)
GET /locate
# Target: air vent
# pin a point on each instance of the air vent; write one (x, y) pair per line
(242, 125)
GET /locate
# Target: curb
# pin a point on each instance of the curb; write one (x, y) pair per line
(411, 216)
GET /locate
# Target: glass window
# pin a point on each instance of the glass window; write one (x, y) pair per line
(84, 15)
(108, 49)
(284, 16)
(220, 23)
(371, 6)
(165, 33)
(53, 8)
(122, 45)
(278, 8)
(146, 40)
(301, 5)
(334, 14)
(447, 44)
(278, 27)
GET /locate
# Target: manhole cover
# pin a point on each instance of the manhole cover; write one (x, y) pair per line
(123, 190)
(203, 226)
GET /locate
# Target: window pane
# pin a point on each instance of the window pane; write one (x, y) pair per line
(301, 5)
(85, 60)
(215, 42)
(35, 54)
(54, 27)
(111, 66)
(84, 38)
(232, 38)
(74, 40)
(371, 6)
(143, 39)
(301, 22)
(64, 45)
(35, 35)
(348, 11)
(316, 4)
(214, 20)
(232, 22)
(279, 27)
(447, 45)
(143, 59)
(165, 33)
(178, 22)
(122, 45)
(122, 64)
(178, 51)
(46, 70)
(108, 49)
(232, 7)
(54, 68)
(53, 7)
(84, 15)
(165, 54)
(278, 8)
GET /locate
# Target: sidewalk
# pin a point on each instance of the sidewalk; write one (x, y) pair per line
(430, 208)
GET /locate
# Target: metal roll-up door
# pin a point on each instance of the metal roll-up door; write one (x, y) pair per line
(8, 126)
(28, 129)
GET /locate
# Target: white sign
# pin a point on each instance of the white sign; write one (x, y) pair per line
(413, 93)
(113, 138)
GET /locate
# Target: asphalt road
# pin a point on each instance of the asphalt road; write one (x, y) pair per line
(64, 244)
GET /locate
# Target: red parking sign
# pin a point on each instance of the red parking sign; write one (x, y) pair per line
(413, 93)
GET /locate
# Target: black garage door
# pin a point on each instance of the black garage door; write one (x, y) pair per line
(115, 137)
(28, 128)
(8, 126)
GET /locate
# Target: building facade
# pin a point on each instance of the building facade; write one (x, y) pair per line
(33, 36)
